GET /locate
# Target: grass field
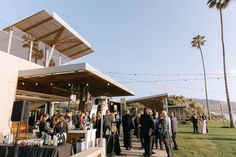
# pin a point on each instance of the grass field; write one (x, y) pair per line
(219, 142)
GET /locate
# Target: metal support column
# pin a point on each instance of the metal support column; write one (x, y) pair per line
(45, 108)
(52, 109)
(31, 49)
(10, 40)
(165, 104)
(60, 60)
(50, 56)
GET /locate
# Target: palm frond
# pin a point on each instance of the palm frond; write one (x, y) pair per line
(198, 41)
(219, 4)
(211, 3)
(225, 4)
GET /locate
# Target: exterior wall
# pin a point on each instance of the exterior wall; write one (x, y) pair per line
(9, 67)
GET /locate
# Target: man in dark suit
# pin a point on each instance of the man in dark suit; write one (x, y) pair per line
(147, 131)
(157, 137)
(126, 129)
(194, 119)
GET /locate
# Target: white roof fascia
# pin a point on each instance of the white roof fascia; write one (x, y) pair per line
(148, 97)
(70, 69)
(69, 28)
(109, 80)
(52, 70)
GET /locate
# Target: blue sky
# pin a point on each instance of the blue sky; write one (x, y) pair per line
(147, 37)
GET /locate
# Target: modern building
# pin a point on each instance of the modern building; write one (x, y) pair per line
(34, 65)
(158, 102)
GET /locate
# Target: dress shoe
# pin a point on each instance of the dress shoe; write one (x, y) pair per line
(145, 155)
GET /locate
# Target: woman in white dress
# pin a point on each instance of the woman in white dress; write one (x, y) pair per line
(204, 124)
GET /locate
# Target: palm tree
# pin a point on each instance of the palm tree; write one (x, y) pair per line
(36, 53)
(220, 5)
(198, 42)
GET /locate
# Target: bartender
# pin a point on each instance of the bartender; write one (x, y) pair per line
(43, 125)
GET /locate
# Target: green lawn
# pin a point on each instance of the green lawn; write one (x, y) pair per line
(220, 142)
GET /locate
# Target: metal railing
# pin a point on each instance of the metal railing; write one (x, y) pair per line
(20, 45)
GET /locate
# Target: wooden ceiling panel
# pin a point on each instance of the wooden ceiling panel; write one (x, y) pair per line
(42, 25)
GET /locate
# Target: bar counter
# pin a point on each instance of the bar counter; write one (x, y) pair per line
(64, 150)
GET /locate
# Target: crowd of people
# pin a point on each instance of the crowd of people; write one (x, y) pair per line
(154, 131)
(61, 123)
(151, 129)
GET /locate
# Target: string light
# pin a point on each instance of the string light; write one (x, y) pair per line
(175, 80)
(158, 74)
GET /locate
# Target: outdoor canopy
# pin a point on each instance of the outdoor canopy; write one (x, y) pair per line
(57, 82)
(52, 30)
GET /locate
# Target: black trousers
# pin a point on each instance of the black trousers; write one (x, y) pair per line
(127, 141)
(118, 127)
(142, 141)
(141, 138)
(195, 128)
(157, 137)
(147, 145)
(112, 145)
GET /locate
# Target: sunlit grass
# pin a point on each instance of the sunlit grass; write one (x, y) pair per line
(220, 142)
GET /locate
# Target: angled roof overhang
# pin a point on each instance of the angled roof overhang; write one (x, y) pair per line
(150, 101)
(157, 98)
(59, 81)
(52, 30)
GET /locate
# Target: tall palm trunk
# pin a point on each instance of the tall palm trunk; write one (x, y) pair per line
(232, 125)
(204, 71)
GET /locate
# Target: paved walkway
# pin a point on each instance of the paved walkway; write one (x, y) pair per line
(137, 151)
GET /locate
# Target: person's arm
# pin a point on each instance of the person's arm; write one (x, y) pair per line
(55, 129)
(122, 121)
(164, 127)
(132, 122)
(141, 120)
(152, 122)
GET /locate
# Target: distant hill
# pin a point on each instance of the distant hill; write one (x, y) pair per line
(214, 105)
